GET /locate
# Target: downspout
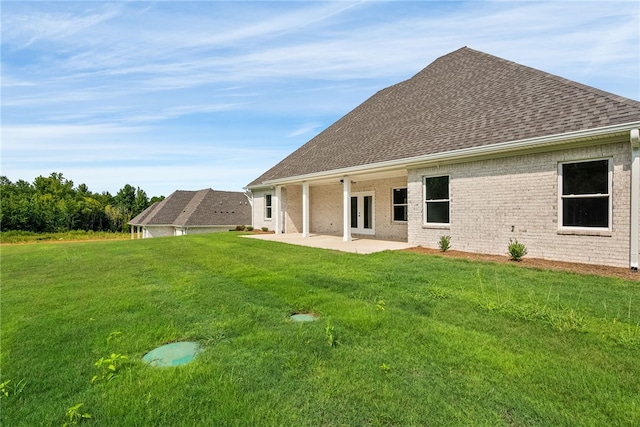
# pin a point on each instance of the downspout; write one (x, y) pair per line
(635, 198)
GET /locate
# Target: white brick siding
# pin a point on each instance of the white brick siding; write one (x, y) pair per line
(325, 208)
(258, 210)
(159, 231)
(492, 201)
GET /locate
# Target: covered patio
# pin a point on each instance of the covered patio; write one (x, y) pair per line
(355, 245)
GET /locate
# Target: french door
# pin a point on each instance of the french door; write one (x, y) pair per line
(362, 213)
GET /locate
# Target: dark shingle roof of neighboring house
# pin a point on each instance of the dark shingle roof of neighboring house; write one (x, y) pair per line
(462, 100)
(197, 208)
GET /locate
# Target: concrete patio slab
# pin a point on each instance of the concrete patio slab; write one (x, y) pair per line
(357, 245)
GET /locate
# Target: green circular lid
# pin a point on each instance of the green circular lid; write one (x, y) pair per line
(303, 317)
(174, 354)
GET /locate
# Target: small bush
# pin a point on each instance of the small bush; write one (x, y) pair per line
(445, 243)
(516, 250)
(240, 228)
(265, 228)
(249, 228)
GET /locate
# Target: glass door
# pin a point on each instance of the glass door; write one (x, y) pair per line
(362, 213)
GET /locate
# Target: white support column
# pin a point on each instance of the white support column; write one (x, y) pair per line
(277, 212)
(305, 209)
(635, 198)
(346, 209)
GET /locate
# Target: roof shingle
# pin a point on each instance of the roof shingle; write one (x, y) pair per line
(197, 208)
(461, 100)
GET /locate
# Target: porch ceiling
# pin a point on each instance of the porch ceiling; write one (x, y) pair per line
(356, 177)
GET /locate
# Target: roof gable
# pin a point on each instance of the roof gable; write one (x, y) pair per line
(462, 100)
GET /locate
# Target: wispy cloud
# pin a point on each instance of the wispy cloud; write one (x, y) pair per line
(23, 30)
(173, 81)
(305, 129)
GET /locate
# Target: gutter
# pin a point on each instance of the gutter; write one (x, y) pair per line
(465, 153)
(635, 199)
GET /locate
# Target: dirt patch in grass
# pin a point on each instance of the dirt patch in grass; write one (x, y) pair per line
(598, 270)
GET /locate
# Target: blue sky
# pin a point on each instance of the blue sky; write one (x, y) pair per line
(183, 95)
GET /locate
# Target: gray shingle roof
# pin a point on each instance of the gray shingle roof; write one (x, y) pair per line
(197, 208)
(461, 100)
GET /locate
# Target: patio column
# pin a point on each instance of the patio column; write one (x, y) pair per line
(277, 210)
(305, 209)
(346, 209)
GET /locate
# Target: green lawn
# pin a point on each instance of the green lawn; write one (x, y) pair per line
(419, 340)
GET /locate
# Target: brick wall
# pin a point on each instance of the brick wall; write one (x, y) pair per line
(159, 231)
(492, 201)
(258, 211)
(385, 227)
(292, 204)
(325, 208)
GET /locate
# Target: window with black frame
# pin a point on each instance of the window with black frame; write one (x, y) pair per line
(586, 198)
(436, 190)
(267, 206)
(400, 205)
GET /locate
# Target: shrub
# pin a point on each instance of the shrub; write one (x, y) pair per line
(240, 228)
(249, 228)
(516, 250)
(445, 243)
(265, 228)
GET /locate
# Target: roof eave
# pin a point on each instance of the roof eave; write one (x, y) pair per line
(466, 153)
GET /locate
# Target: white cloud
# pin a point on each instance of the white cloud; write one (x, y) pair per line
(191, 92)
(305, 129)
(21, 30)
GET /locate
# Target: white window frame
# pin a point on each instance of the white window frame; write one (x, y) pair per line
(424, 201)
(609, 195)
(268, 207)
(393, 205)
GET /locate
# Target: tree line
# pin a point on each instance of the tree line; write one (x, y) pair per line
(53, 204)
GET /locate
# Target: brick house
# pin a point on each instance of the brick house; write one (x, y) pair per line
(192, 212)
(478, 148)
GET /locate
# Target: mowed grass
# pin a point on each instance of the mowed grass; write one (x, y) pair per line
(418, 340)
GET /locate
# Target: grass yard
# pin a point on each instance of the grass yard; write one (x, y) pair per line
(66, 236)
(402, 339)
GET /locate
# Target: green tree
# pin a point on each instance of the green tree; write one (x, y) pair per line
(52, 204)
(125, 198)
(140, 203)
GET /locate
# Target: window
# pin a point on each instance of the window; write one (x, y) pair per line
(399, 204)
(267, 206)
(436, 195)
(586, 193)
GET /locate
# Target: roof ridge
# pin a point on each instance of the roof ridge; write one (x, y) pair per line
(191, 206)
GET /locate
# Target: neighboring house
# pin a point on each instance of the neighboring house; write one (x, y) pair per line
(478, 148)
(192, 212)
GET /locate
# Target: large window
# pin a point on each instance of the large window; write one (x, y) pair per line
(436, 195)
(400, 204)
(585, 193)
(268, 209)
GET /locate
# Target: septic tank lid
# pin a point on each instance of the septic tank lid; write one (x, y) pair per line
(304, 317)
(173, 354)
